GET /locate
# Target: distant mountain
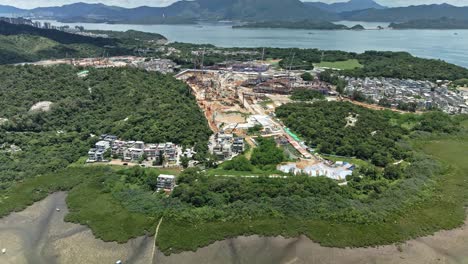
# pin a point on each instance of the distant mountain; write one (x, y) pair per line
(78, 10)
(403, 14)
(248, 10)
(187, 12)
(5, 10)
(441, 23)
(352, 5)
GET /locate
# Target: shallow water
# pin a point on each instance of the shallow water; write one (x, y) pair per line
(448, 45)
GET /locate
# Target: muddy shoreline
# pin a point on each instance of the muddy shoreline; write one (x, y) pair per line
(39, 235)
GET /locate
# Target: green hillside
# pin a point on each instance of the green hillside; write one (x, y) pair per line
(27, 48)
(130, 103)
(22, 43)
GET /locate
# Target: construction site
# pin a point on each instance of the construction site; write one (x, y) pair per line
(149, 64)
(236, 101)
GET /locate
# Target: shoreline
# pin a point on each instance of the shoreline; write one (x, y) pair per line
(39, 233)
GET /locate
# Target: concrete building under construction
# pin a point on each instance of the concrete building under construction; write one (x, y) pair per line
(288, 85)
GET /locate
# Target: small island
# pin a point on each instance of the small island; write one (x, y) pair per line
(357, 27)
(441, 23)
(303, 24)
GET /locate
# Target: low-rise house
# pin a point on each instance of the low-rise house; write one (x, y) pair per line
(97, 154)
(238, 145)
(137, 150)
(166, 182)
(226, 146)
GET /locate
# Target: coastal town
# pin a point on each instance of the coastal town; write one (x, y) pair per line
(234, 131)
(418, 95)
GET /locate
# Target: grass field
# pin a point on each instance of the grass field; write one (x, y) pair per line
(342, 65)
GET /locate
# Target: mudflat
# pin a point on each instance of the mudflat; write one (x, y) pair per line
(39, 235)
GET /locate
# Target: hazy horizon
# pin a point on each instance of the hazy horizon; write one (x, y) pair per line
(28, 4)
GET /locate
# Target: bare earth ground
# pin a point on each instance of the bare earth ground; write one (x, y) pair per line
(39, 235)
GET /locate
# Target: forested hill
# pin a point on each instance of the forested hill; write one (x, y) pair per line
(351, 5)
(403, 65)
(130, 103)
(23, 43)
(441, 23)
(197, 9)
(402, 14)
(62, 37)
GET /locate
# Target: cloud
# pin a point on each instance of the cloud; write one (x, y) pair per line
(135, 3)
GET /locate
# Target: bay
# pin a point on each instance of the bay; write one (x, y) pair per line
(448, 45)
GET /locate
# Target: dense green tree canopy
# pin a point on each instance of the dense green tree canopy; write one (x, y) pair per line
(130, 103)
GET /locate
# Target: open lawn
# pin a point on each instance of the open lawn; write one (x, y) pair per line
(341, 65)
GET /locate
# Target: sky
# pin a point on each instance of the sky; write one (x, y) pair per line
(135, 3)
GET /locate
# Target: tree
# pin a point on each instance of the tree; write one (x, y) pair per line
(255, 129)
(107, 154)
(240, 163)
(306, 76)
(152, 180)
(210, 161)
(184, 161)
(306, 95)
(358, 96)
(267, 153)
(380, 159)
(340, 86)
(160, 159)
(385, 102)
(393, 172)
